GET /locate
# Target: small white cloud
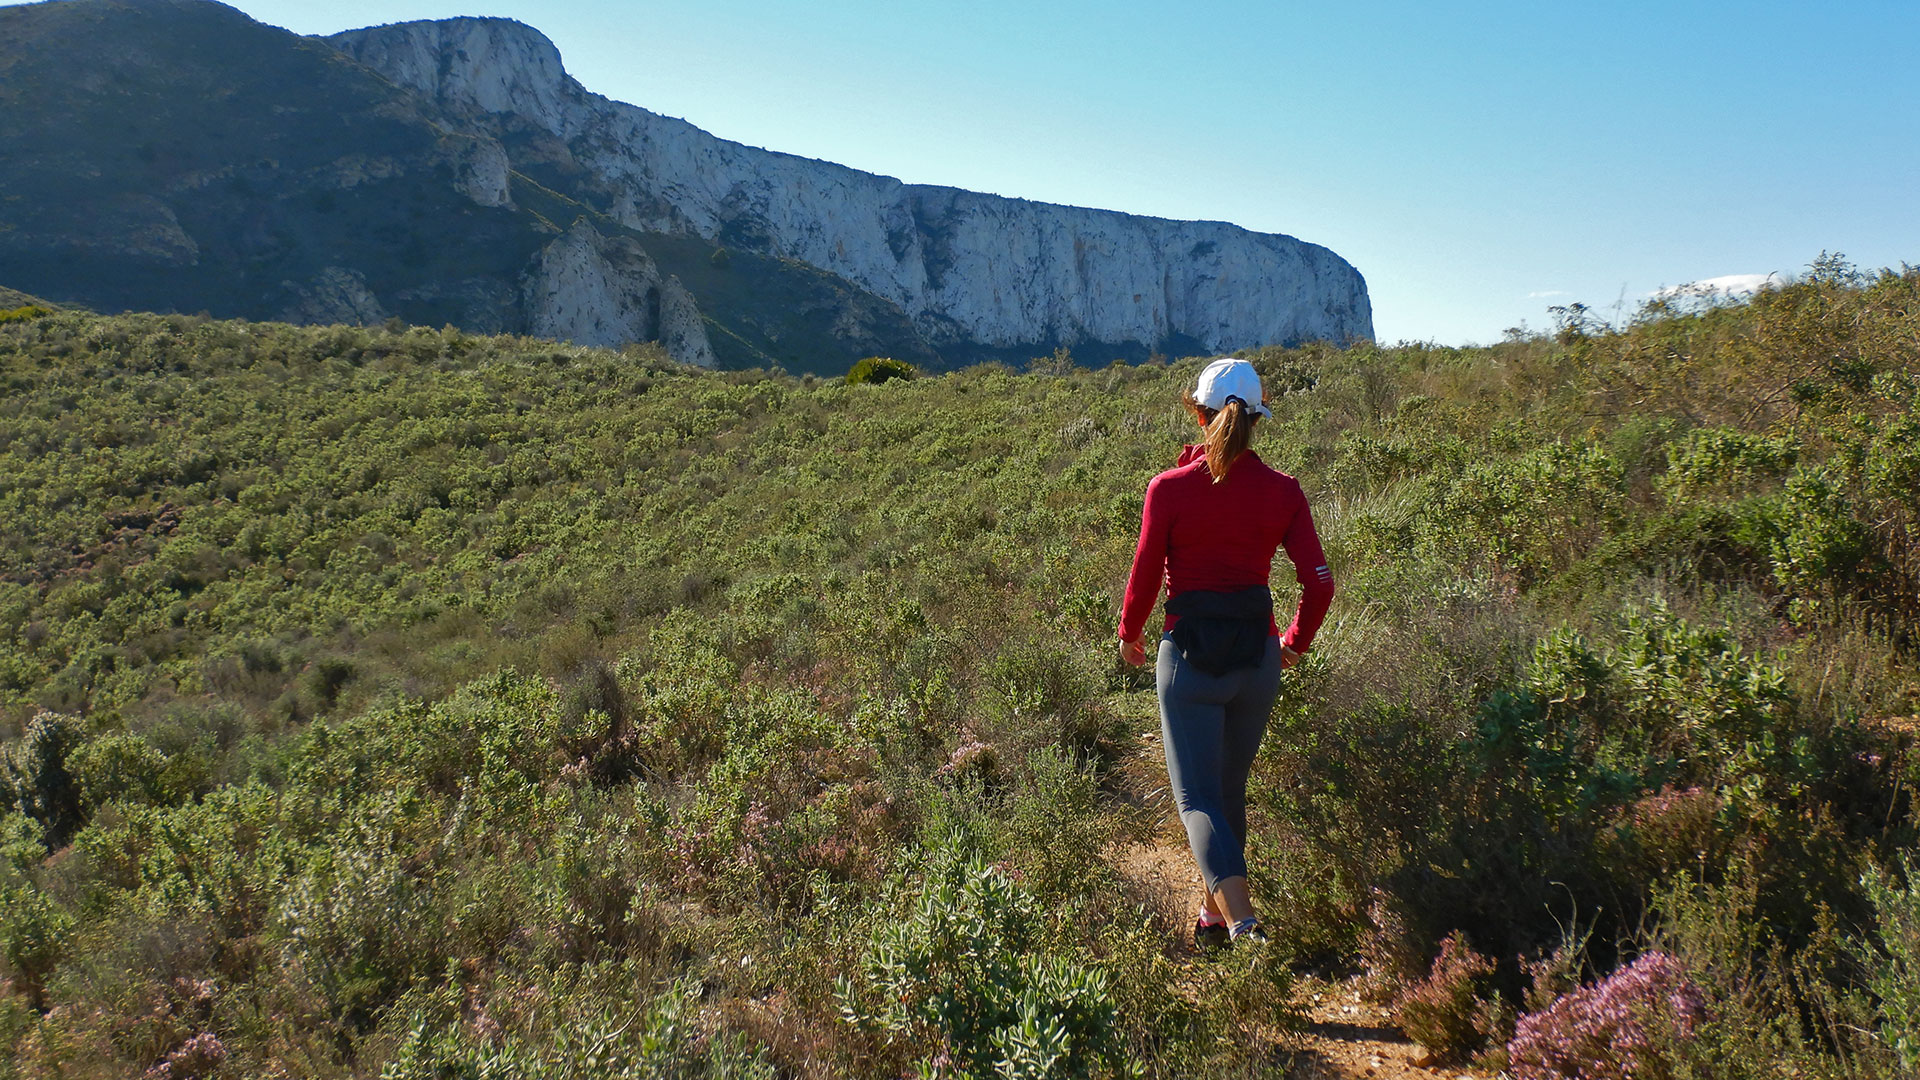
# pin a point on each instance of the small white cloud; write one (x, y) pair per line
(1724, 285)
(1547, 294)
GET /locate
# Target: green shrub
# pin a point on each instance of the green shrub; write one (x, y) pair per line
(118, 766)
(1823, 545)
(968, 972)
(879, 369)
(23, 842)
(1892, 960)
(35, 936)
(1719, 462)
(34, 778)
(1536, 512)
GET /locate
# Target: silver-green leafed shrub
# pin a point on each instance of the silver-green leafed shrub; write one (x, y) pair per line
(1719, 461)
(969, 973)
(664, 1041)
(35, 935)
(356, 919)
(1894, 967)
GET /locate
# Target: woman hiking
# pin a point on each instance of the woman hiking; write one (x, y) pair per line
(1209, 530)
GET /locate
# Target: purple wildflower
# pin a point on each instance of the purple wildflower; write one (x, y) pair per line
(194, 1059)
(1616, 1029)
(1440, 1011)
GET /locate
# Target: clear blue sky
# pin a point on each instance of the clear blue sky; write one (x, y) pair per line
(1477, 162)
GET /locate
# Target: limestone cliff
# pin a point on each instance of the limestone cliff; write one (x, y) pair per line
(594, 290)
(969, 270)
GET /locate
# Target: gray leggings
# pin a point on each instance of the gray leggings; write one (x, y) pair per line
(1211, 726)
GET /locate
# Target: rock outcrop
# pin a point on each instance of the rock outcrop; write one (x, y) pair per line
(596, 290)
(334, 296)
(481, 170)
(969, 270)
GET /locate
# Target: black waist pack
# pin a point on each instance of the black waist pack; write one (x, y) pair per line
(1220, 632)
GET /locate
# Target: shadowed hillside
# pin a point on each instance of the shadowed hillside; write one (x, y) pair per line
(407, 703)
(175, 155)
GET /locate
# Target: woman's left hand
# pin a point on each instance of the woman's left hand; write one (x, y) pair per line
(1288, 658)
(1134, 652)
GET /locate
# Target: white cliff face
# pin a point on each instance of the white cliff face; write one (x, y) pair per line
(680, 329)
(586, 288)
(461, 61)
(966, 267)
(480, 169)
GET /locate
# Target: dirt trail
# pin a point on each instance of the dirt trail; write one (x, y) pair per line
(1347, 1038)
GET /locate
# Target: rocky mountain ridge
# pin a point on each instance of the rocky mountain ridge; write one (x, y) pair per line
(968, 269)
(176, 155)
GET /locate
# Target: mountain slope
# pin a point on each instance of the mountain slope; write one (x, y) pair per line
(177, 155)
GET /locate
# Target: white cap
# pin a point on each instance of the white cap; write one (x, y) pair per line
(1229, 378)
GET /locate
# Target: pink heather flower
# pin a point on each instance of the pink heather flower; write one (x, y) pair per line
(1613, 1030)
(1667, 802)
(1438, 1012)
(757, 821)
(194, 1059)
(198, 991)
(968, 755)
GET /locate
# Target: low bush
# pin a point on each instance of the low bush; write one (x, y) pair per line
(879, 369)
(36, 934)
(967, 977)
(1893, 962)
(658, 1041)
(1442, 1012)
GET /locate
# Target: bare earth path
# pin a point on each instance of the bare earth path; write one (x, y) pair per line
(1347, 1038)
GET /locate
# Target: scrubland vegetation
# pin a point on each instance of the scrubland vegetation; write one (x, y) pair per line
(405, 703)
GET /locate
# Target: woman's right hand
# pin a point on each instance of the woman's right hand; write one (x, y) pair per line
(1288, 658)
(1134, 652)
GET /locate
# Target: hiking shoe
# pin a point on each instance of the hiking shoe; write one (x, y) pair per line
(1249, 931)
(1210, 937)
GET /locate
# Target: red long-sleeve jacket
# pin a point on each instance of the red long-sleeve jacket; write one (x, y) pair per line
(1196, 534)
